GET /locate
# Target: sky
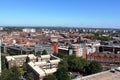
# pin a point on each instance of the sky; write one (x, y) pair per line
(71, 13)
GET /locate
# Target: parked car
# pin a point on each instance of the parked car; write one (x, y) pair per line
(118, 69)
(112, 70)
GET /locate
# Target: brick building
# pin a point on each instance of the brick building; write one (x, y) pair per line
(110, 48)
(104, 57)
(54, 47)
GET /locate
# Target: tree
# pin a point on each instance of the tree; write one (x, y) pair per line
(30, 76)
(12, 74)
(50, 77)
(44, 52)
(38, 53)
(24, 66)
(62, 71)
(21, 71)
(64, 64)
(60, 55)
(76, 63)
(15, 70)
(4, 75)
(61, 74)
(93, 67)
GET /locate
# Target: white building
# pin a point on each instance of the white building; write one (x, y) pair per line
(1, 28)
(29, 30)
(81, 50)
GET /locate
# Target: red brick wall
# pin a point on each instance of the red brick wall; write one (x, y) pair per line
(54, 48)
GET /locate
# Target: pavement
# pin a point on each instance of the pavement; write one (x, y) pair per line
(107, 75)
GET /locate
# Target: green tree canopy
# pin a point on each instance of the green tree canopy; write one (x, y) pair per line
(38, 53)
(12, 74)
(50, 77)
(44, 52)
(94, 67)
(30, 76)
(24, 66)
(76, 63)
(62, 74)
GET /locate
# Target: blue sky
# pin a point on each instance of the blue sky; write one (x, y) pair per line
(78, 13)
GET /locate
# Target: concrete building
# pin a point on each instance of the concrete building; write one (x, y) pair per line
(4, 48)
(81, 50)
(46, 66)
(40, 66)
(18, 60)
(19, 49)
(44, 46)
(63, 50)
(39, 73)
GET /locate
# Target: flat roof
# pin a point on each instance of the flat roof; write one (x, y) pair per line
(37, 69)
(41, 63)
(62, 48)
(19, 56)
(9, 58)
(54, 61)
(49, 71)
(103, 76)
(45, 56)
(32, 56)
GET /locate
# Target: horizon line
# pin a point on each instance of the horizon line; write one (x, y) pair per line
(61, 27)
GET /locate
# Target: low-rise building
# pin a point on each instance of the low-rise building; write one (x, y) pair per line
(104, 57)
(46, 66)
(19, 60)
(40, 66)
(81, 50)
(114, 48)
(29, 30)
(1, 28)
(19, 49)
(44, 46)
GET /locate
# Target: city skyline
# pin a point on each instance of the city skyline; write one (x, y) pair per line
(73, 13)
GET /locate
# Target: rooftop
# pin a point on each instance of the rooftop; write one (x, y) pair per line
(104, 76)
(37, 69)
(31, 56)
